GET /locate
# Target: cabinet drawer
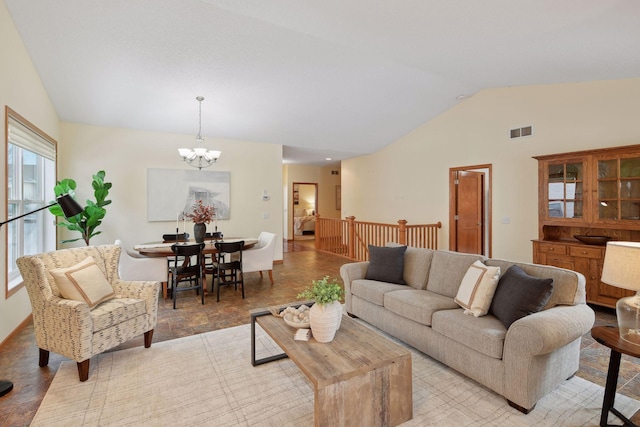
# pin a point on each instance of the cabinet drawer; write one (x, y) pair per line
(585, 252)
(552, 248)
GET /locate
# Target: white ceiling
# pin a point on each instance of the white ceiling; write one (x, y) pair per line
(333, 78)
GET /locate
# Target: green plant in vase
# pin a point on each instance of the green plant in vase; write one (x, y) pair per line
(325, 315)
(91, 217)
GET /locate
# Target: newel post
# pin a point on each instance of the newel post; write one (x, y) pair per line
(402, 231)
(351, 236)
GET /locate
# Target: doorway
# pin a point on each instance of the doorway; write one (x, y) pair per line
(305, 206)
(470, 209)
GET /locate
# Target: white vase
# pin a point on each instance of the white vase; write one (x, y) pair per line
(325, 320)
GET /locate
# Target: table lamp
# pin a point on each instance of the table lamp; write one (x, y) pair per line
(70, 208)
(622, 269)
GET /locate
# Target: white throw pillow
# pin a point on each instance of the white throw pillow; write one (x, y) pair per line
(83, 282)
(477, 288)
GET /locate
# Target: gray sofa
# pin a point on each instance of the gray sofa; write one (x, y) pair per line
(522, 363)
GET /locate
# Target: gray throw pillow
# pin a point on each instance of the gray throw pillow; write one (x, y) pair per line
(519, 295)
(386, 264)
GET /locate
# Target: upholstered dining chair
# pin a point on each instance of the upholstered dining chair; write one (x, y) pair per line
(133, 266)
(80, 305)
(260, 257)
(229, 265)
(187, 267)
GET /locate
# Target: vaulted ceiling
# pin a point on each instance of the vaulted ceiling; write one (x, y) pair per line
(325, 78)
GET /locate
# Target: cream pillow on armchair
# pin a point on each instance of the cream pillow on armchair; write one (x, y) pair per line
(83, 282)
(477, 289)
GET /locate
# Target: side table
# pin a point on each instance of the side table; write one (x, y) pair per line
(609, 336)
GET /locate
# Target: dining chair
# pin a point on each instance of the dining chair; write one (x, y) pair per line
(210, 263)
(173, 237)
(260, 257)
(229, 272)
(187, 268)
(133, 266)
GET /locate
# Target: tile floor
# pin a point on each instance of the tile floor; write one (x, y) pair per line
(19, 355)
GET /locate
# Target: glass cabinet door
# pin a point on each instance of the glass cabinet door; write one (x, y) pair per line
(619, 189)
(565, 190)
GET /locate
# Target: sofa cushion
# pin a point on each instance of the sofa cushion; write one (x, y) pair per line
(447, 270)
(416, 305)
(568, 286)
(417, 262)
(116, 311)
(519, 295)
(485, 335)
(83, 282)
(386, 264)
(372, 290)
(477, 288)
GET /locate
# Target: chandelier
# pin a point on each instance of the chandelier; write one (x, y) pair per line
(199, 157)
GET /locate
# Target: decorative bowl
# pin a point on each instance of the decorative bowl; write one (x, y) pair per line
(288, 319)
(592, 240)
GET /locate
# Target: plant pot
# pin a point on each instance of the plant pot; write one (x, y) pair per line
(325, 320)
(199, 232)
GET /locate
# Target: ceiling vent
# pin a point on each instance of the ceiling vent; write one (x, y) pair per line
(525, 131)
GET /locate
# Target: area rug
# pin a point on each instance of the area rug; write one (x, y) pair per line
(208, 380)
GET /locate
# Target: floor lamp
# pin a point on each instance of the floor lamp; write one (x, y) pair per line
(70, 208)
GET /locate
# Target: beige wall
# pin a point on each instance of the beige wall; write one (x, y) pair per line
(326, 190)
(125, 155)
(22, 90)
(414, 185)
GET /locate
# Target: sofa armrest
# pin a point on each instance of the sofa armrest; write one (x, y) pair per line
(548, 330)
(350, 272)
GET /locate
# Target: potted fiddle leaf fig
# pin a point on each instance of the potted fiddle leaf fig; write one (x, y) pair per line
(91, 216)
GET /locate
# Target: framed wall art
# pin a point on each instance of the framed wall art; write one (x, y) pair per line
(173, 191)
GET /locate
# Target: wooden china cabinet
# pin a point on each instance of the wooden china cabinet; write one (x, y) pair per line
(595, 193)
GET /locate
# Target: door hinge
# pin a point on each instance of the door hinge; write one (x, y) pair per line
(455, 217)
(455, 182)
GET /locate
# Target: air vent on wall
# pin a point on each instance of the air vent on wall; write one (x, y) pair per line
(518, 132)
(335, 172)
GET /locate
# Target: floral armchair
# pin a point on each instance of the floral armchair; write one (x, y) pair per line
(80, 305)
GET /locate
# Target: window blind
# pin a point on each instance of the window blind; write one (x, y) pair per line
(27, 139)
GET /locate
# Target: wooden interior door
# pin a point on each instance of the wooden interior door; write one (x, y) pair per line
(469, 212)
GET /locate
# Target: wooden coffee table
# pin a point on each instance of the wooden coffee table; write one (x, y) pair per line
(359, 378)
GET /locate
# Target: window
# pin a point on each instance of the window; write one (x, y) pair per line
(31, 176)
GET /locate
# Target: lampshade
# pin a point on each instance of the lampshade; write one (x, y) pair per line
(69, 206)
(622, 270)
(622, 265)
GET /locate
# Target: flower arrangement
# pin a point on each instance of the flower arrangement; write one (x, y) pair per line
(323, 291)
(201, 214)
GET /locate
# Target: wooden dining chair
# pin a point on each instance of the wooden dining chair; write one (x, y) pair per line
(229, 270)
(187, 269)
(168, 238)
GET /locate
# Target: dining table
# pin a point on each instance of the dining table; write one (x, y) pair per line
(163, 249)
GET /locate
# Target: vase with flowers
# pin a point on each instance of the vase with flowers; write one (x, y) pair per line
(201, 215)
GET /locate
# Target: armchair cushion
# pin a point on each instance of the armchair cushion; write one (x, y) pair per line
(83, 282)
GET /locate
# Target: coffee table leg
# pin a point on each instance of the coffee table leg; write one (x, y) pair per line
(264, 360)
(610, 391)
